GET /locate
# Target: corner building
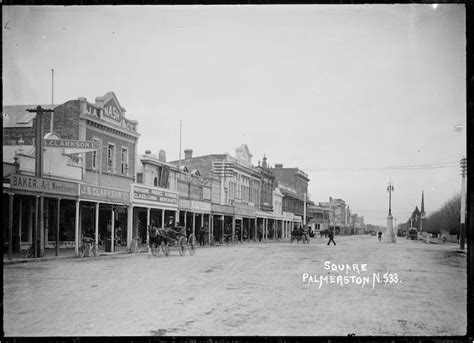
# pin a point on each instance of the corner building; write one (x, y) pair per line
(102, 176)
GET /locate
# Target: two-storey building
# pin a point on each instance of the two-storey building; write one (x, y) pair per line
(100, 141)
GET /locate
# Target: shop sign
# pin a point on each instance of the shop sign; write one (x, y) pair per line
(184, 204)
(200, 206)
(288, 215)
(111, 111)
(71, 144)
(37, 184)
(245, 211)
(92, 111)
(155, 195)
(297, 218)
(104, 193)
(222, 209)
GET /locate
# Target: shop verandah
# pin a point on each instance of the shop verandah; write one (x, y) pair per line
(59, 231)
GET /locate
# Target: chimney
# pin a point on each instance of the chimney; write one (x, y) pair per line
(99, 101)
(188, 153)
(278, 165)
(162, 156)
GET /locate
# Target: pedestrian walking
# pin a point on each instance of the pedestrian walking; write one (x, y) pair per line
(201, 236)
(380, 236)
(260, 235)
(331, 237)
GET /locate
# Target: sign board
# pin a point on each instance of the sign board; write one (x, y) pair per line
(222, 209)
(244, 210)
(71, 144)
(92, 111)
(111, 110)
(185, 204)
(200, 206)
(155, 195)
(104, 193)
(36, 184)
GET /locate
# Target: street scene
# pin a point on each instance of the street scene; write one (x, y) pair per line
(244, 289)
(229, 170)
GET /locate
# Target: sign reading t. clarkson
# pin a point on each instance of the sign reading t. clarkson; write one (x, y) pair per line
(37, 184)
(104, 193)
(67, 143)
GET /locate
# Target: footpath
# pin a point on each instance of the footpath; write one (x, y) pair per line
(65, 253)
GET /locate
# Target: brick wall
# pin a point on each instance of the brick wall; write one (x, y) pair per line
(119, 142)
(11, 135)
(66, 120)
(66, 124)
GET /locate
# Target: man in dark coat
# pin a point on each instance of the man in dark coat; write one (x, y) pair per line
(201, 236)
(331, 237)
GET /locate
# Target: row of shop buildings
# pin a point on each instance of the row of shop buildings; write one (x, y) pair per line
(77, 172)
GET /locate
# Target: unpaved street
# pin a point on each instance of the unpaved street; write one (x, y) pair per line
(246, 289)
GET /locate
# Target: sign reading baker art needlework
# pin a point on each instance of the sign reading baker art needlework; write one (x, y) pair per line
(36, 184)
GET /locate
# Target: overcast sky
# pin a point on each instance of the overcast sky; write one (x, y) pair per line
(342, 92)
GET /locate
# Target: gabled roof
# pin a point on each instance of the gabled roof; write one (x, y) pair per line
(18, 116)
(107, 97)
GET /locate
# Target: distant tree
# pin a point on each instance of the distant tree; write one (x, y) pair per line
(447, 218)
(402, 229)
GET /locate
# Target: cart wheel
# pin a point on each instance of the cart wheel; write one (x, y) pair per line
(182, 246)
(192, 244)
(159, 249)
(95, 250)
(164, 248)
(154, 249)
(82, 251)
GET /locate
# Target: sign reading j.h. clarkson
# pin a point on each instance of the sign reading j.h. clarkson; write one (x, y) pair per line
(104, 193)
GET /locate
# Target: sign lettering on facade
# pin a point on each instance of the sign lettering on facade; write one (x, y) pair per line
(37, 184)
(159, 196)
(111, 111)
(200, 206)
(103, 193)
(71, 144)
(92, 111)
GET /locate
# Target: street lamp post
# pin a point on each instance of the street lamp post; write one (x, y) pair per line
(462, 231)
(389, 235)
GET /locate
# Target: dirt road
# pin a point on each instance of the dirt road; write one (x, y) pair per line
(246, 289)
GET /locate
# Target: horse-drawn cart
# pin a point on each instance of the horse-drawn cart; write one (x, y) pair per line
(162, 239)
(299, 235)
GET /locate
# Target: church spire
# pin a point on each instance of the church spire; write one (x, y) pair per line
(422, 203)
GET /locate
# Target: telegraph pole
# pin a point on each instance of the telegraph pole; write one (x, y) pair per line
(463, 201)
(39, 173)
(39, 139)
(52, 100)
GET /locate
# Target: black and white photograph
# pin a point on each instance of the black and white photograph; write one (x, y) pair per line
(235, 170)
